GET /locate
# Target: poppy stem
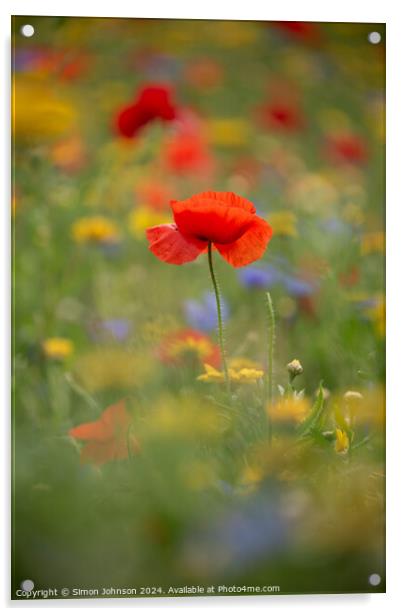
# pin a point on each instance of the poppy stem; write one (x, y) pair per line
(220, 321)
(269, 377)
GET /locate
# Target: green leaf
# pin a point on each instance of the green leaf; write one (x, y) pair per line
(313, 418)
(318, 437)
(362, 442)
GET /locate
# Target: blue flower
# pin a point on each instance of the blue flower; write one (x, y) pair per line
(298, 287)
(24, 59)
(162, 66)
(335, 226)
(119, 328)
(202, 314)
(267, 276)
(259, 277)
(253, 531)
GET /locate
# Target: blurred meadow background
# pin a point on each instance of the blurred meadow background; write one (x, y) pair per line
(180, 484)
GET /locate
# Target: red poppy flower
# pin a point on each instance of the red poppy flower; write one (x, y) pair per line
(304, 31)
(65, 64)
(181, 346)
(74, 67)
(187, 153)
(347, 148)
(153, 103)
(281, 115)
(153, 193)
(107, 438)
(307, 306)
(226, 220)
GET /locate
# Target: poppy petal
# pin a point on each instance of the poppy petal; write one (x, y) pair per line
(156, 100)
(91, 431)
(226, 198)
(114, 418)
(211, 220)
(250, 246)
(170, 245)
(99, 453)
(129, 121)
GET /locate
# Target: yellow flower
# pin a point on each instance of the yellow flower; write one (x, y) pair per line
(212, 375)
(38, 112)
(242, 375)
(373, 242)
(238, 363)
(353, 213)
(377, 315)
(372, 407)
(57, 348)
(355, 408)
(251, 476)
(341, 442)
(186, 417)
(143, 217)
(289, 409)
(283, 223)
(228, 132)
(232, 34)
(245, 375)
(109, 367)
(312, 192)
(96, 229)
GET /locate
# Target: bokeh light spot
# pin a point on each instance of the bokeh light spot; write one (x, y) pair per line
(374, 38)
(27, 30)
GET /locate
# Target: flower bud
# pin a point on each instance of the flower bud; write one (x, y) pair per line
(352, 396)
(294, 368)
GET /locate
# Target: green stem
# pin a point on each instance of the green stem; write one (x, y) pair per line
(220, 321)
(81, 392)
(269, 378)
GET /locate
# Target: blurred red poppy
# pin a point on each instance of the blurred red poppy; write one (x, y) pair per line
(350, 277)
(347, 148)
(107, 438)
(65, 64)
(303, 31)
(152, 103)
(154, 193)
(307, 306)
(74, 67)
(186, 345)
(224, 219)
(281, 115)
(188, 153)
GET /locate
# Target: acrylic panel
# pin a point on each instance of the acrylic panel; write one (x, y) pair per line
(198, 222)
